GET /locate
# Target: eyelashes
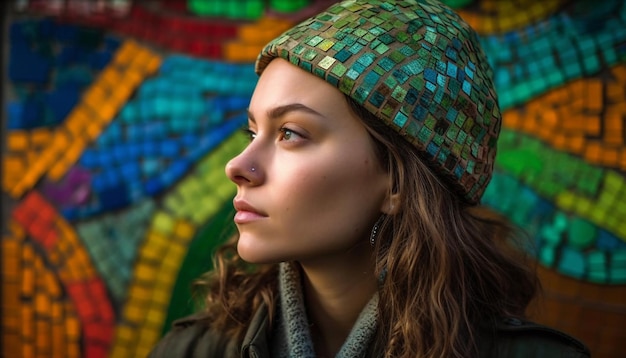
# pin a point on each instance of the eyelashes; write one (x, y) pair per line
(285, 134)
(249, 133)
(290, 134)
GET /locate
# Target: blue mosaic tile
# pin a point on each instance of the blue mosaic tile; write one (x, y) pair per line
(560, 48)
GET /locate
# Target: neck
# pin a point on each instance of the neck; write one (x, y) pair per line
(336, 290)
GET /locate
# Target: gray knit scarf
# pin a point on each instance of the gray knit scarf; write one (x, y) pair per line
(291, 335)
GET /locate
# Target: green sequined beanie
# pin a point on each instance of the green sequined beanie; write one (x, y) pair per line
(415, 65)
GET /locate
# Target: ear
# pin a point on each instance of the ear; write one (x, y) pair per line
(391, 204)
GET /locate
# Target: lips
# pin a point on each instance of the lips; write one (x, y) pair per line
(246, 213)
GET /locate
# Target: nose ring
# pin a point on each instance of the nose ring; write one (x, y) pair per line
(253, 169)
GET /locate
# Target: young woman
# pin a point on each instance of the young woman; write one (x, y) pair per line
(373, 133)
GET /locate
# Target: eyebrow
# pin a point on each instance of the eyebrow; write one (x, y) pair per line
(280, 111)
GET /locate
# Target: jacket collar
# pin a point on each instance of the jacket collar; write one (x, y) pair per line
(258, 335)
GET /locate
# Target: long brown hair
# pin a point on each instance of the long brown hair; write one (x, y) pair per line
(448, 266)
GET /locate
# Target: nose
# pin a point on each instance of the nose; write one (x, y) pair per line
(243, 170)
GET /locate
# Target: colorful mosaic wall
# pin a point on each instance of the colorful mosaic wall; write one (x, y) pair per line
(120, 116)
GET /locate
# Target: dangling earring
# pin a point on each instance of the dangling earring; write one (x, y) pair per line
(374, 232)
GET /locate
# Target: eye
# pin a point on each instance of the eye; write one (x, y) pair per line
(289, 134)
(249, 133)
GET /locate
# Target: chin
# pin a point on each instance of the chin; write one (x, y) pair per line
(252, 253)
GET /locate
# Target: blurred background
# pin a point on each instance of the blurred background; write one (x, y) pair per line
(119, 115)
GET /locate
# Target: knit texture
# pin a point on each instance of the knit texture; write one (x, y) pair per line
(292, 336)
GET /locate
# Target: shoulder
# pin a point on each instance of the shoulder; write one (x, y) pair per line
(192, 336)
(514, 337)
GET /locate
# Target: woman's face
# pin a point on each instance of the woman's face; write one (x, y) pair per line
(309, 184)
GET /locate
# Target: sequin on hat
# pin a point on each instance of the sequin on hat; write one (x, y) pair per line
(418, 67)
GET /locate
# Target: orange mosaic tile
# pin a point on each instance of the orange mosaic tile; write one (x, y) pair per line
(584, 117)
(496, 16)
(35, 311)
(23, 148)
(51, 283)
(75, 270)
(251, 39)
(99, 105)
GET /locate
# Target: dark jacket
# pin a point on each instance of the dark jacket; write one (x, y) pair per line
(192, 337)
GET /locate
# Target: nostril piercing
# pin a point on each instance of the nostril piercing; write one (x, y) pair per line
(253, 169)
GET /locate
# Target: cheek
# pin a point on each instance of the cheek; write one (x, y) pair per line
(315, 181)
(300, 189)
(334, 186)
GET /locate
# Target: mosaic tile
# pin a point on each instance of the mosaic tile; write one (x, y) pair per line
(197, 262)
(585, 189)
(493, 16)
(223, 39)
(552, 60)
(588, 146)
(592, 252)
(170, 231)
(60, 154)
(248, 9)
(593, 129)
(72, 65)
(144, 152)
(86, 291)
(185, 198)
(300, 46)
(567, 42)
(38, 313)
(112, 241)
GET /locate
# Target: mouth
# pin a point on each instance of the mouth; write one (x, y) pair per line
(246, 213)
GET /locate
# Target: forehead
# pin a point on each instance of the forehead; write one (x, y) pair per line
(282, 83)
